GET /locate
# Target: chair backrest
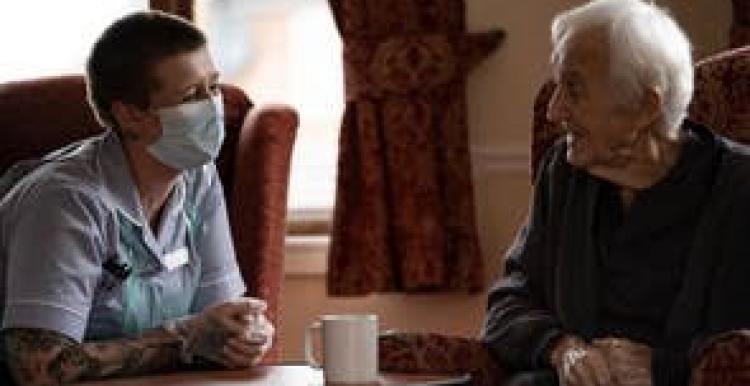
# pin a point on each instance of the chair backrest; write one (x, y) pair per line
(40, 115)
(721, 101)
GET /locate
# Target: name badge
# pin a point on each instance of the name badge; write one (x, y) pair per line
(176, 258)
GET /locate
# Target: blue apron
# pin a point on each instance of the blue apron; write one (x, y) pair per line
(147, 301)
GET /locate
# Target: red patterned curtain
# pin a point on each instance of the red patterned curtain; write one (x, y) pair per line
(184, 8)
(740, 33)
(404, 217)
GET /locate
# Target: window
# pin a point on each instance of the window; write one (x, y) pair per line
(287, 51)
(45, 38)
(280, 51)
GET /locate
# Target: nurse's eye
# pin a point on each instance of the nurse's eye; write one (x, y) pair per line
(190, 97)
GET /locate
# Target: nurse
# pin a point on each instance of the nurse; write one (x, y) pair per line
(117, 257)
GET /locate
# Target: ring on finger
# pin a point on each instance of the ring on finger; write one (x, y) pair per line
(572, 356)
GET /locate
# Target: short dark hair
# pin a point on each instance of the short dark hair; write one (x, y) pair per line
(120, 65)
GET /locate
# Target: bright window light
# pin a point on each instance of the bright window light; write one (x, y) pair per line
(46, 38)
(286, 51)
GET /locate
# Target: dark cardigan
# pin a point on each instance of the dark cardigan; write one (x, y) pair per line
(550, 282)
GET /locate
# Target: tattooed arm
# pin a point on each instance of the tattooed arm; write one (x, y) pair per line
(221, 334)
(43, 357)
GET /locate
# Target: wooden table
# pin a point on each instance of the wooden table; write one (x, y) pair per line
(286, 375)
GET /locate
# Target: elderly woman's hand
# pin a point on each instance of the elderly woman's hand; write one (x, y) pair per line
(629, 362)
(580, 364)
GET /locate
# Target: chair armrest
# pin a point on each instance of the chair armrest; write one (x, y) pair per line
(430, 353)
(723, 361)
(258, 201)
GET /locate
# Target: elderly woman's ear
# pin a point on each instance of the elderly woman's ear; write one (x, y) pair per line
(650, 111)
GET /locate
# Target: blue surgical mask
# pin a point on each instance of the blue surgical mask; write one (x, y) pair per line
(191, 133)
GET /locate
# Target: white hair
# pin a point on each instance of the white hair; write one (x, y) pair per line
(647, 50)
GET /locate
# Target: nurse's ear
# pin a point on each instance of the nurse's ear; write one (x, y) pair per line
(136, 124)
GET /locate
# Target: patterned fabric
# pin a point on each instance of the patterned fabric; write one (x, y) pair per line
(722, 94)
(725, 361)
(721, 101)
(40, 115)
(437, 354)
(404, 216)
(183, 8)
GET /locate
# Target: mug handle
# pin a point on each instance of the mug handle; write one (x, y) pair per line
(309, 357)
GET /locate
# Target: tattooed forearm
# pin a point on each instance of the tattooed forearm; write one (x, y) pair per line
(210, 343)
(41, 357)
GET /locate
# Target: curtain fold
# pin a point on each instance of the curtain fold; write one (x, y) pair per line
(184, 8)
(404, 218)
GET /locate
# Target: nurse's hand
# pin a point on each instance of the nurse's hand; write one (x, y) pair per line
(248, 349)
(219, 333)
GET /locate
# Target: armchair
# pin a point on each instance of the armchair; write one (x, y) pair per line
(39, 115)
(721, 101)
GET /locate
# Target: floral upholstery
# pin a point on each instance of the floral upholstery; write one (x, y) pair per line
(722, 93)
(184, 8)
(39, 115)
(724, 361)
(437, 354)
(403, 149)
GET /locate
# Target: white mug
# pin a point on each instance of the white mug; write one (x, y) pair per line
(350, 348)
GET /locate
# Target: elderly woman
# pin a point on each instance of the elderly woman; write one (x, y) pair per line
(635, 249)
(116, 253)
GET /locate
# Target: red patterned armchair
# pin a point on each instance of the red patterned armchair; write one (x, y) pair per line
(39, 115)
(722, 102)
